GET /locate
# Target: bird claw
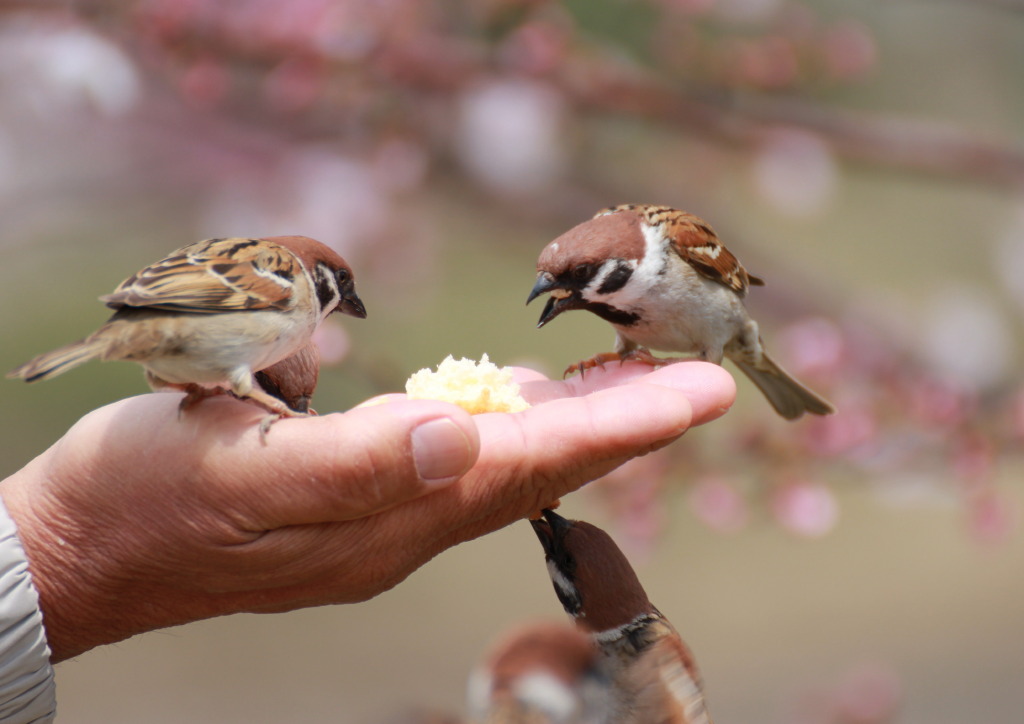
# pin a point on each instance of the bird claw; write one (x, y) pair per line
(273, 417)
(265, 424)
(598, 360)
(642, 354)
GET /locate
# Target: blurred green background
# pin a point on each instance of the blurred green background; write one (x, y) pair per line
(867, 159)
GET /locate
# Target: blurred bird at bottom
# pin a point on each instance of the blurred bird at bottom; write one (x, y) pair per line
(541, 673)
(651, 676)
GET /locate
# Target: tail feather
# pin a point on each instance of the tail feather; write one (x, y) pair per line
(789, 398)
(58, 361)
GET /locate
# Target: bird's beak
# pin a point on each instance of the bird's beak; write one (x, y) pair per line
(352, 305)
(561, 300)
(545, 283)
(550, 531)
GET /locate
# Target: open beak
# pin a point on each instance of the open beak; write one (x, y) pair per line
(561, 299)
(352, 305)
(551, 531)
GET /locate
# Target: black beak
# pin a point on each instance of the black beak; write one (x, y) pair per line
(556, 304)
(352, 305)
(545, 283)
(551, 531)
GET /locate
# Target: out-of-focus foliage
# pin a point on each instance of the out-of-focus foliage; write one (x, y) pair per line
(336, 117)
(866, 158)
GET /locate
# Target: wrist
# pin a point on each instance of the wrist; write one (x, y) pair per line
(77, 596)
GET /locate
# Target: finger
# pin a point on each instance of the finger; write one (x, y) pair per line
(533, 457)
(526, 461)
(341, 466)
(710, 389)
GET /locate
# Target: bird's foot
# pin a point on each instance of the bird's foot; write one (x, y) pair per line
(640, 354)
(271, 404)
(598, 360)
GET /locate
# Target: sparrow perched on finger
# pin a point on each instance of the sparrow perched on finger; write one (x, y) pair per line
(653, 677)
(208, 316)
(663, 280)
(541, 673)
(293, 380)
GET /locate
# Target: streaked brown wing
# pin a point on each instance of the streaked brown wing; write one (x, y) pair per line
(697, 243)
(216, 275)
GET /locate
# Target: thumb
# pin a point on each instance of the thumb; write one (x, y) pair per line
(350, 465)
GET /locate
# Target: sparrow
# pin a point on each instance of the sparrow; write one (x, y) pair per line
(204, 319)
(662, 279)
(293, 379)
(653, 676)
(541, 673)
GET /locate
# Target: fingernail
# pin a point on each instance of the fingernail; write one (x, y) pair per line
(440, 450)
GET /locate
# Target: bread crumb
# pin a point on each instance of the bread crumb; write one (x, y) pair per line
(474, 386)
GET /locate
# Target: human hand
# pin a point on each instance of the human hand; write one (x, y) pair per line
(138, 519)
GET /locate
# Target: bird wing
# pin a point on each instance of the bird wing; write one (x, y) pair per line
(697, 243)
(216, 275)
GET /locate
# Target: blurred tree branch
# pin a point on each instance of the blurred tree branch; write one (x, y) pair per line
(741, 117)
(426, 57)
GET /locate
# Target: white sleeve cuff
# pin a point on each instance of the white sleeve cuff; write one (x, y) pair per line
(27, 689)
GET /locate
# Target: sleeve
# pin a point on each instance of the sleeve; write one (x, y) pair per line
(27, 688)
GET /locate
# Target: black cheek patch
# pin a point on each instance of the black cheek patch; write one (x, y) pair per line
(571, 603)
(616, 279)
(610, 314)
(326, 288)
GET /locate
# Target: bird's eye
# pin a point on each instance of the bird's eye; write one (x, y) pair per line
(581, 272)
(341, 275)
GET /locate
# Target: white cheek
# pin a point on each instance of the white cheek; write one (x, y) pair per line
(478, 691)
(544, 692)
(564, 584)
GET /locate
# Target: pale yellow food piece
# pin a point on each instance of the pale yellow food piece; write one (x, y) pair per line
(474, 386)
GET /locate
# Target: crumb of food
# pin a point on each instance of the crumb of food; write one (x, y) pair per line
(474, 386)
(538, 514)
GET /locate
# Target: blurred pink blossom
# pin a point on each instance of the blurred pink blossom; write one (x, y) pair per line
(850, 431)
(1016, 414)
(992, 517)
(967, 337)
(536, 47)
(334, 342)
(813, 346)
(795, 172)
(939, 403)
(718, 504)
(57, 68)
(770, 62)
(849, 50)
(870, 693)
(634, 495)
(747, 11)
(205, 82)
(509, 134)
(294, 85)
(805, 508)
(400, 165)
